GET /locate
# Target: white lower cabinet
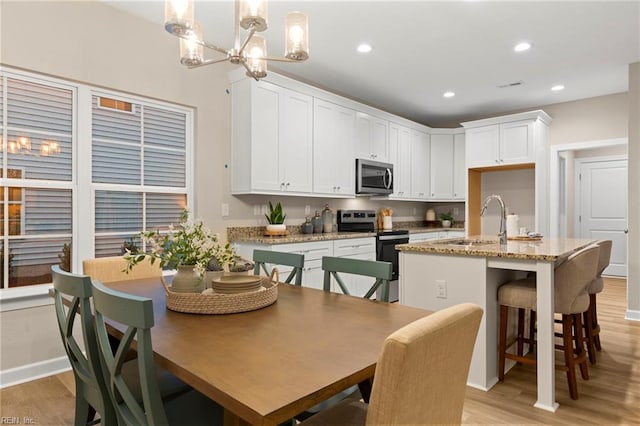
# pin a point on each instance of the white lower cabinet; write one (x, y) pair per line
(312, 275)
(355, 248)
(434, 235)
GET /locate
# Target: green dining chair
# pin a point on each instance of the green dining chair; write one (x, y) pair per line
(136, 313)
(296, 261)
(91, 391)
(381, 271)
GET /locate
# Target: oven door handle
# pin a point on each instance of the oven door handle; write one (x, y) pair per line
(401, 239)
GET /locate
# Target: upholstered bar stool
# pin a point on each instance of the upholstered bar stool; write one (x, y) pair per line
(591, 326)
(571, 299)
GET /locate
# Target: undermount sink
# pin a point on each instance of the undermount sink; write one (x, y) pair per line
(466, 242)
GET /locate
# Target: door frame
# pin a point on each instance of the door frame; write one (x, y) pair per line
(555, 179)
(577, 201)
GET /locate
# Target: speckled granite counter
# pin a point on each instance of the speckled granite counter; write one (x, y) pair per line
(548, 249)
(255, 234)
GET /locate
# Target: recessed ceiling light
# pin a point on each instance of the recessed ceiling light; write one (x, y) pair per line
(521, 47)
(557, 87)
(448, 94)
(364, 48)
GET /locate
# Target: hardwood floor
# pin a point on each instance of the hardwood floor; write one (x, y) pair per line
(610, 396)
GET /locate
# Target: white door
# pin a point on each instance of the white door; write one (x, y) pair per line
(602, 210)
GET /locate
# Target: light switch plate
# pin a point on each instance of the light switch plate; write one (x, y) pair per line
(441, 289)
(225, 209)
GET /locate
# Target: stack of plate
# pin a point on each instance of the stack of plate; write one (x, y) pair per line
(236, 284)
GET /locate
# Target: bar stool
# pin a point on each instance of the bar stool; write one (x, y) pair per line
(571, 299)
(591, 326)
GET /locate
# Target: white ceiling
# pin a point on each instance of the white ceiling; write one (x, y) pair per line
(423, 48)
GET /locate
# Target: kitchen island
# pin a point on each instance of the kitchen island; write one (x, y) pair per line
(438, 274)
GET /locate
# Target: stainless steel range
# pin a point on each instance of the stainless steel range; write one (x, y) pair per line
(365, 221)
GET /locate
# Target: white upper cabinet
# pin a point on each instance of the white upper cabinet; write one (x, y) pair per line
(333, 149)
(459, 168)
(400, 157)
(372, 137)
(505, 140)
(420, 162)
(441, 176)
(272, 139)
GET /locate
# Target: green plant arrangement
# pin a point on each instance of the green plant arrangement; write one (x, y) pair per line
(276, 216)
(188, 243)
(446, 216)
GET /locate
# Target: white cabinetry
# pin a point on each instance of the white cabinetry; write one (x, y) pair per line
(272, 139)
(501, 144)
(333, 149)
(420, 161)
(459, 168)
(441, 176)
(372, 137)
(400, 156)
(423, 236)
(354, 248)
(312, 274)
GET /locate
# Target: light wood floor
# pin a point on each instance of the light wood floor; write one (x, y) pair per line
(611, 396)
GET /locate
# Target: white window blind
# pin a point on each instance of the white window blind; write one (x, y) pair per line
(144, 149)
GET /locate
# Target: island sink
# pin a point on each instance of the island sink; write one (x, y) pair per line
(465, 242)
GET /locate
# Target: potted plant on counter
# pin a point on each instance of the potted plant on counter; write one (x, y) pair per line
(446, 219)
(275, 219)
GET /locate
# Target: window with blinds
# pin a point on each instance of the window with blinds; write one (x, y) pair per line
(37, 124)
(136, 172)
(141, 149)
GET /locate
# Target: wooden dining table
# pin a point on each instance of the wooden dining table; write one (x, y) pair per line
(268, 365)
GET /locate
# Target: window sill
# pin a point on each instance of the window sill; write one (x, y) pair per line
(13, 299)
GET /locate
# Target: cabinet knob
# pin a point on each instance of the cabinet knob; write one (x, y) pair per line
(497, 161)
(288, 184)
(338, 189)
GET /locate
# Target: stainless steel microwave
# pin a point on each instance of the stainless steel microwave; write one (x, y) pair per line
(373, 177)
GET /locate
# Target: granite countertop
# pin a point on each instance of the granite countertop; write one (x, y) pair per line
(548, 249)
(255, 234)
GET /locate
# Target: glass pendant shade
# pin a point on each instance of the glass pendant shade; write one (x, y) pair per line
(296, 36)
(178, 16)
(191, 51)
(253, 14)
(256, 49)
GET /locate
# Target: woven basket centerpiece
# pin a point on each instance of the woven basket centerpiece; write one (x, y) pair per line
(229, 294)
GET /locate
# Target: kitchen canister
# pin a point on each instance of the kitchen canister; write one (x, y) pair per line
(327, 219)
(431, 215)
(317, 223)
(513, 225)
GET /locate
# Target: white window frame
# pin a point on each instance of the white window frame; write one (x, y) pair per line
(81, 185)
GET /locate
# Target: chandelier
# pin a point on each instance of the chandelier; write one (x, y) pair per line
(251, 52)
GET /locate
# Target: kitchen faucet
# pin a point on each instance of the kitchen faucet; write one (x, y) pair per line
(503, 216)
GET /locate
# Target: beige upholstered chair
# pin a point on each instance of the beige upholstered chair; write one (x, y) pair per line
(421, 375)
(108, 269)
(591, 326)
(571, 299)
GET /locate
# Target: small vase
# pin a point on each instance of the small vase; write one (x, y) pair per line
(187, 280)
(446, 224)
(279, 227)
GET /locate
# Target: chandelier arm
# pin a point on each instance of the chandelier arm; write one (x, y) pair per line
(216, 48)
(280, 59)
(208, 62)
(252, 31)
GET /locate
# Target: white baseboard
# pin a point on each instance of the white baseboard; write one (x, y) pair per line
(632, 315)
(37, 370)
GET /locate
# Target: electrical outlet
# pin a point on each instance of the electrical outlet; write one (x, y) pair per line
(441, 289)
(415, 211)
(307, 210)
(225, 209)
(256, 209)
(264, 209)
(455, 212)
